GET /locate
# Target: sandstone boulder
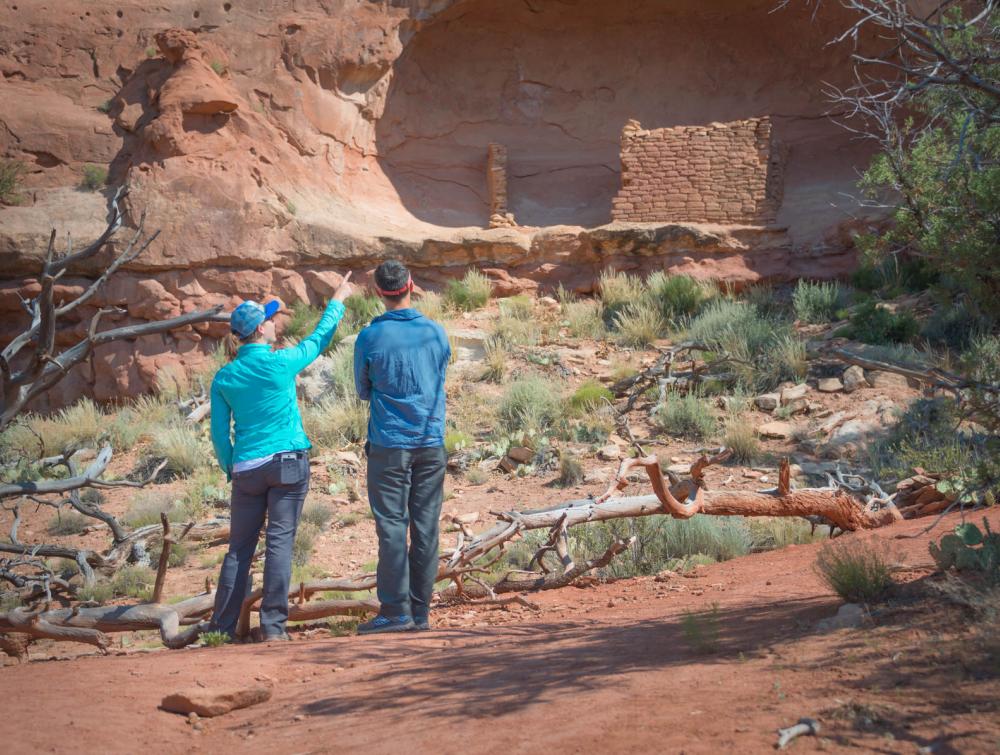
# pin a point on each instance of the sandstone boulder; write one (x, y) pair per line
(794, 393)
(830, 385)
(208, 702)
(768, 402)
(854, 378)
(776, 430)
(886, 380)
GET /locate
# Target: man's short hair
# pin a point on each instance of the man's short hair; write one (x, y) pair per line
(392, 275)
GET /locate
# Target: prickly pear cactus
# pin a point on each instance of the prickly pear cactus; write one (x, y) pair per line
(969, 549)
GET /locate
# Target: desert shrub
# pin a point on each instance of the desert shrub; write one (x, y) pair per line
(875, 324)
(816, 302)
(954, 325)
(529, 404)
(349, 519)
(302, 321)
(456, 440)
(970, 549)
(516, 332)
(585, 319)
(981, 361)
(677, 296)
(68, 523)
(618, 291)
(178, 556)
(495, 360)
(341, 372)
(213, 639)
(316, 515)
(219, 67)
(741, 437)
(472, 292)
(204, 489)
(570, 471)
(638, 325)
(591, 395)
(304, 544)
(359, 311)
(134, 582)
(476, 476)
(147, 506)
(333, 422)
(94, 177)
(593, 428)
(520, 307)
(686, 416)
(183, 449)
(431, 305)
(765, 347)
(11, 173)
(859, 571)
(82, 424)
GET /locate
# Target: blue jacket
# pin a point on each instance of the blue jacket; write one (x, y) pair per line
(399, 367)
(256, 394)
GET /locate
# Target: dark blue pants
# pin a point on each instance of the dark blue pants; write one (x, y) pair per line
(405, 490)
(275, 491)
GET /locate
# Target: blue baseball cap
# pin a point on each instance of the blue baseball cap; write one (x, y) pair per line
(247, 317)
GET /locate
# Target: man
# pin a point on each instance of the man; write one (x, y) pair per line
(399, 368)
(260, 444)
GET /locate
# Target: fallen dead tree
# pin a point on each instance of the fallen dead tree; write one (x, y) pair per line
(847, 504)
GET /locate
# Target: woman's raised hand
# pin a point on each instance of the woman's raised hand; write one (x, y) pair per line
(345, 288)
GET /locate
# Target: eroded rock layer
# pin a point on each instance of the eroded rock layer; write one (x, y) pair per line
(275, 144)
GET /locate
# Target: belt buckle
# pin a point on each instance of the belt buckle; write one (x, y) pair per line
(286, 457)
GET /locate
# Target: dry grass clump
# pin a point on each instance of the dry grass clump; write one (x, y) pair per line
(316, 514)
(77, 426)
(686, 416)
(638, 325)
(529, 404)
(68, 523)
(591, 395)
(520, 307)
(495, 360)
(585, 319)
(334, 422)
(515, 331)
(741, 438)
(432, 305)
(183, 449)
(147, 506)
(678, 296)
(570, 471)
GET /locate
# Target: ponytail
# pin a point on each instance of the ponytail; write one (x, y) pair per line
(231, 345)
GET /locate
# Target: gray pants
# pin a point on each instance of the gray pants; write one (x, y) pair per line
(405, 489)
(276, 490)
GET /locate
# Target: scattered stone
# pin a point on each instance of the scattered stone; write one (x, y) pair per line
(854, 378)
(347, 457)
(680, 469)
(797, 405)
(849, 616)
(665, 576)
(768, 402)
(521, 454)
(469, 345)
(207, 703)
(548, 301)
(886, 380)
(597, 475)
(796, 392)
(852, 435)
(776, 430)
(610, 452)
(470, 517)
(832, 421)
(830, 385)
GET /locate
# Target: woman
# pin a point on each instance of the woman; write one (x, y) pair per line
(260, 444)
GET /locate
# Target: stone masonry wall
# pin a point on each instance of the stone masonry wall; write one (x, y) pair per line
(720, 173)
(496, 183)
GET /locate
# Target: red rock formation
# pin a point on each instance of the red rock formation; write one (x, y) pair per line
(276, 144)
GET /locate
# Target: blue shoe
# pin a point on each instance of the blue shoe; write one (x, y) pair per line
(381, 624)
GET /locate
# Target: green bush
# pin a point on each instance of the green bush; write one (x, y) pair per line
(470, 293)
(859, 571)
(303, 320)
(520, 307)
(590, 396)
(359, 311)
(955, 326)
(456, 440)
(585, 319)
(99, 592)
(970, 549)
(875, 324)
(94, 177)
(219, 67)
(68, 523)
(179, 553)
(341, 373)
(513, 331)
(816, 302)
(476, 476)
(638, 325)
(11, 173)
(677, 296)
(685, 416)
(529, 404)
(213, 639)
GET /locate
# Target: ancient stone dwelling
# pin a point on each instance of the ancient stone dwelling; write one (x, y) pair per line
(719, 173)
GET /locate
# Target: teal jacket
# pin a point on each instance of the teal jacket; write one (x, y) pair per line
(253, 397)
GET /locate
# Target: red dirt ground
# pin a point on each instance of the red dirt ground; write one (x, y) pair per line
(614, 667)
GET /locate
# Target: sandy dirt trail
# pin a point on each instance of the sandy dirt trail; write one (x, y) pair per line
(604, 669)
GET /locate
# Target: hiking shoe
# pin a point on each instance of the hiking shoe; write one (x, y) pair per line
(283, 637)
(382, 624)
(422, 623)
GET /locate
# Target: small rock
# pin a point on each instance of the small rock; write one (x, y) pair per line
(830, 385)
(776, 430)
(854, 378)
(347, 457)
(768, 402)
(207, 703)
(796, 392)
(548, 301)
(470, 517)
(797, 405)
(852, 435)
(665, 576)
(597, 475)
(886, 380)
(299, 717)
(521, 454)
(610, 452)
(849, 616)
